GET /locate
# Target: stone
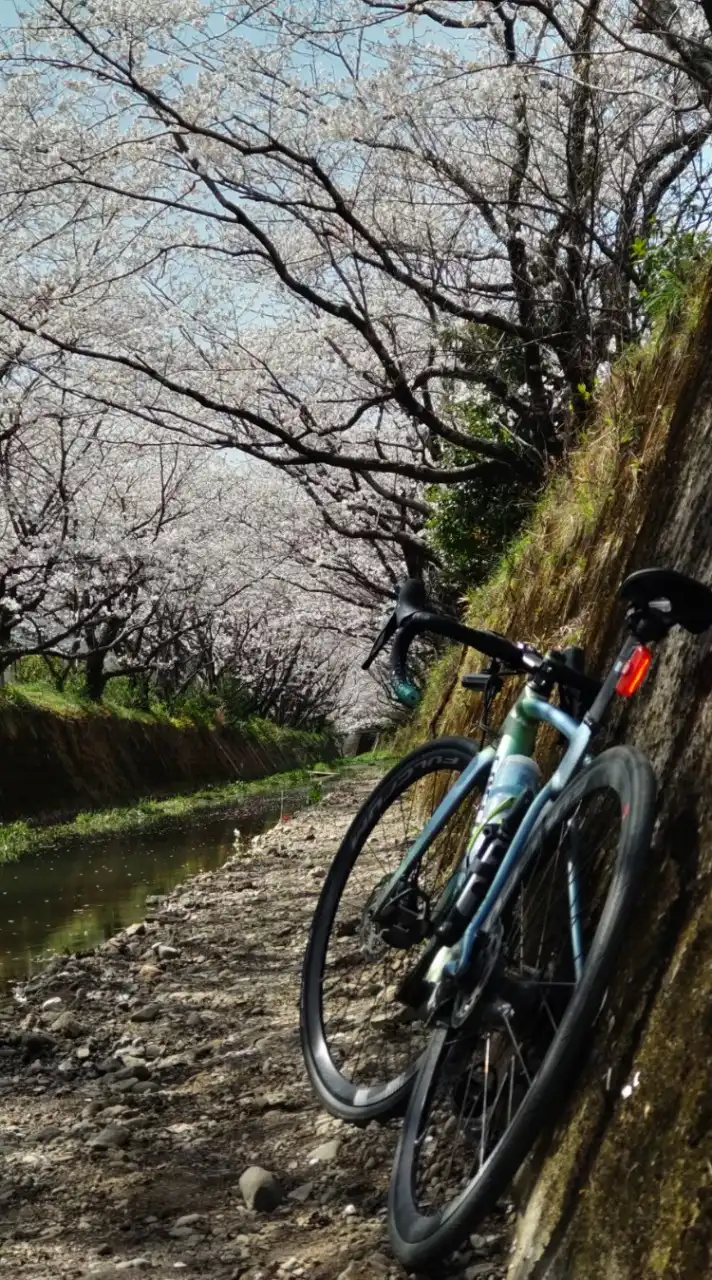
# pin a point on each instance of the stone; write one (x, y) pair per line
(325, 1152)
(136, 930)
(149, 972)
(152, 1051)
(164, 952)
(260, 1189)
(67, 1025)
(375, 1267)
(83, 1053)
(358, 1269)
(34, 1041)
(302, 1192)
(173, 1060)
(107, 1066)
(114, 1135)
(133, 1264)
(54, 1002)
(188, 1220)
(49, 1134)
(183, 1233)
(148, 1013)
(133, 1069)
(380, 1265)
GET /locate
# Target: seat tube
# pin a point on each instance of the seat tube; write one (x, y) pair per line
(519, 733)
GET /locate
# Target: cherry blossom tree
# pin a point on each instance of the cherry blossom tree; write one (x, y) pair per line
(373, 247)
(402, 207)
(123, 557)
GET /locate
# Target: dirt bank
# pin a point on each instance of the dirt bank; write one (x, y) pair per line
(52, 766)
(138, 1083)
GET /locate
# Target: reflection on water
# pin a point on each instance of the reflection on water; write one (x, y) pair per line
(73, 898)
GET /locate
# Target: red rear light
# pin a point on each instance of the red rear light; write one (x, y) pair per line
(634, 671)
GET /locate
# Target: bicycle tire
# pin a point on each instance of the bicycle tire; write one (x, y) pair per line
(421, 1240)
(341, 1096)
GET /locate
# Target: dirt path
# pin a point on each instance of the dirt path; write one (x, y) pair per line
(138, 1083)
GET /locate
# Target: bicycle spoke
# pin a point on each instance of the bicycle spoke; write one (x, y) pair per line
(487, 1085)
(365, 1027)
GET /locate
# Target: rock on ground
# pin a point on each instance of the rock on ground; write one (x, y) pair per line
(128, 1120)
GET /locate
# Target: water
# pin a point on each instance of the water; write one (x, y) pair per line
(72, 898)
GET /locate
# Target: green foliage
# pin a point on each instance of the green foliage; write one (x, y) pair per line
(235, 700)
(315, 793)
(472, 522)
(197, 705)
(669, 263)
(16, 839)
(29, 670)
(133, 692)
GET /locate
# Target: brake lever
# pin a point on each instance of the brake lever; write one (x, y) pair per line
(381, 641)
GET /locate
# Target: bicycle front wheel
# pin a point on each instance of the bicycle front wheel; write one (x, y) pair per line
(488, 1087)
(361, 1044)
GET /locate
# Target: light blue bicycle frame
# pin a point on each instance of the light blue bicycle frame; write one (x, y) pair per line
(529, 711)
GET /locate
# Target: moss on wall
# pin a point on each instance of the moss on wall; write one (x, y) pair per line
(622, 1189)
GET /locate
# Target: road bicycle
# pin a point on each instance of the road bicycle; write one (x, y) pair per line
(470, 923)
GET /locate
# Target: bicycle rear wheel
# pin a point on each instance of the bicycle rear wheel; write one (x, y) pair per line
(361, 1045)
(486, 1089)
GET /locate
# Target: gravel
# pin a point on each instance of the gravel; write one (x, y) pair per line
(148, 1142)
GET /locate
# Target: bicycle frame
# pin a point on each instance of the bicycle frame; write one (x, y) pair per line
(524, 719)
(536, 711)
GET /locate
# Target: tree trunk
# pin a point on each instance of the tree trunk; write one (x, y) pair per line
(623, 1188)
(95, 676)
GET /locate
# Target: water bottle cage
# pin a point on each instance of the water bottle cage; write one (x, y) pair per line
(496, 838)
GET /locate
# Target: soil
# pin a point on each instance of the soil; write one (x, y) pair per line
(139, 1082)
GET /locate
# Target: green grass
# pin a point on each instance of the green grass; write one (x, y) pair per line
(71, 705)
(557, 581)
(18, 839)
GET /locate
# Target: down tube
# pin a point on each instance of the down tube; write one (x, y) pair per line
(579, 736)
(541, 802)
(473, 776)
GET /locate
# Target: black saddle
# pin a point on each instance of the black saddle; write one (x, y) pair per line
(668, 598)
